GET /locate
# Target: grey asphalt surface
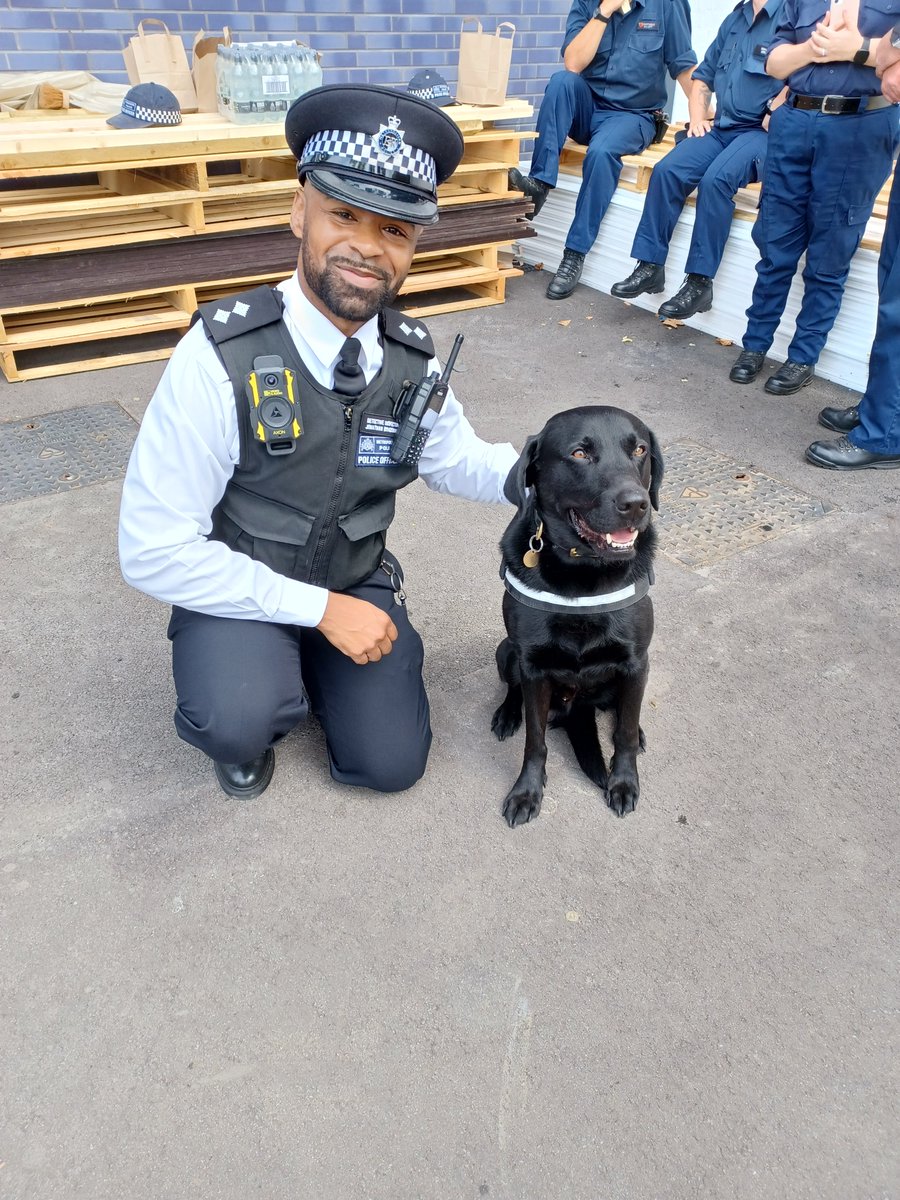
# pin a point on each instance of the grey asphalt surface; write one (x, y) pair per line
(337, 995)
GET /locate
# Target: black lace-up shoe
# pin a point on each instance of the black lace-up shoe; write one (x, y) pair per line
(567, 275)
(748, 365)
(789, 378)
(694, 296)
(246, 780)
(535, 189)
(841, 420)
(646, 277)
(841, 455)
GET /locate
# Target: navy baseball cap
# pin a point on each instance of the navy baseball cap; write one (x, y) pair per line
(145, 105)
(375, 148)
(429, 85)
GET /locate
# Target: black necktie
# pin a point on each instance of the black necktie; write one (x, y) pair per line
(349, 379)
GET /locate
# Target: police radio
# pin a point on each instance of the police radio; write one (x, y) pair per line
(417, 408)
(274, 408)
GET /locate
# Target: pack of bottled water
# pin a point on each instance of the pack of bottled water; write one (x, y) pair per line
(258, 81)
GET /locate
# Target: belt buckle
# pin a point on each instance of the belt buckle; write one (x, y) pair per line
(833, 104)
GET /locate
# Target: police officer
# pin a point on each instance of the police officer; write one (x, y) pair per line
(871, 430)
(616, 56)
(260, 513)
(720, 155)
(830, 150)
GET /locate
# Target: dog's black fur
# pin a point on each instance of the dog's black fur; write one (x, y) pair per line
(590, 471)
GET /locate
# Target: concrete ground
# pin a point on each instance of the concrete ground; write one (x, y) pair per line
(329, 995)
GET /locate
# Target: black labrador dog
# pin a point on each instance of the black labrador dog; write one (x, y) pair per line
(577, 565)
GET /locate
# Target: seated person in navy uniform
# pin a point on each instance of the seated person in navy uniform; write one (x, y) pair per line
(616, 56)
(870, 430)
(717, 156)
(260, 512)
(830, 149)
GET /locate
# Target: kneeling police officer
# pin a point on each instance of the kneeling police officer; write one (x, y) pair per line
(264, 476)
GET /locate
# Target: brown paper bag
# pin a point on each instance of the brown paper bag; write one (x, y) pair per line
(161, 58)
(484, 60)
(203, 68)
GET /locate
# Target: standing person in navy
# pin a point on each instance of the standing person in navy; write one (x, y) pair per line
(717, 156)
(830, 149)
(263, 479)
(871, 429)
(616, 56)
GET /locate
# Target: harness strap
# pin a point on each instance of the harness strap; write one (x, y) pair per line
(572, 606)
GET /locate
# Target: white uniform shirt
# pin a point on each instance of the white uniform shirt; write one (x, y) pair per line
(188, 447)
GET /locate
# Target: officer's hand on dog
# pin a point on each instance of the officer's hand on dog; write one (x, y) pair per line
(357, 628)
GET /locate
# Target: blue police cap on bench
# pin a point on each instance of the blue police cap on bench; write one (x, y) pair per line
(374, 148)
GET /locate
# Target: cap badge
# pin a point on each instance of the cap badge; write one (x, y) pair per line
(390, 137)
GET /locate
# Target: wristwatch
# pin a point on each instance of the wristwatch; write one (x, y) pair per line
(597, 15)
(861, 57)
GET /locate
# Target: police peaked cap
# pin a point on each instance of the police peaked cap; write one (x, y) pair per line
(374, 148)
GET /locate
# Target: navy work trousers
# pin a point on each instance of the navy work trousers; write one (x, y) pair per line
(822, 174)
(717, 164)
(878, 430)
(570, 109)
(242, 685)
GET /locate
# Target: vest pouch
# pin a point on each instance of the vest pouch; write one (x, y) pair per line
(370, 518)
(357, 550)
(266, 530)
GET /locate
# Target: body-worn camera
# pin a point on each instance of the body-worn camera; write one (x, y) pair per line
(274, 407)
(417, 408)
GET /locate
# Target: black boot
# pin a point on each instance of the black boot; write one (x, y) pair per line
(646, 277)
(694, 296)
(747, 366)
(789, 378)
(535, 189)
(246, 780)
(841, 420)
(567, 275)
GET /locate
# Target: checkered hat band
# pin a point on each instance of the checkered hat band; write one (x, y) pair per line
(440, 91)
(158, 116)
(343, 148)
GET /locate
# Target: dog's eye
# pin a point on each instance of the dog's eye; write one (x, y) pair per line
(639, 451)
(579, 453)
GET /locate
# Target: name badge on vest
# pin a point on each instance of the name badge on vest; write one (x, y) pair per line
(648, 25)
(376, 436)
(760, 51)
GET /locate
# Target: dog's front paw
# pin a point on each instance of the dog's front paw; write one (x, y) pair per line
(521, 806)
(507, 719)
(622, 795)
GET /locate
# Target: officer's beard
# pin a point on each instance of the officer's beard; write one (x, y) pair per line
(340, 297)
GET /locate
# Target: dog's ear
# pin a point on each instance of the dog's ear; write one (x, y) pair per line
(522, 475)
(656, 470)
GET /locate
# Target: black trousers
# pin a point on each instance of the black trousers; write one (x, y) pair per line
(242, 685)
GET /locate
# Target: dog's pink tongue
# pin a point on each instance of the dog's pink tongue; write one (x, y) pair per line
(622, 535)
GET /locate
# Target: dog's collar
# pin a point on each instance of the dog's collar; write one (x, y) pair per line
(601, 602)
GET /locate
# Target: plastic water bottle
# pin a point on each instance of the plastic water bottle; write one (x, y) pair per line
(276, 83)
(296, 74)
(241, 99)
(314, 71)
(223, 80)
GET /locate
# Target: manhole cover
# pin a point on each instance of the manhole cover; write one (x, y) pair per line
(712, 507)
(64, 450)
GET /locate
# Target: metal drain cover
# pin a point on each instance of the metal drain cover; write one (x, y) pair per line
(62, 451)
(712, 507)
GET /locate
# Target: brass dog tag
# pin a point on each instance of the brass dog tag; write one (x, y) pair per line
(530, 558)
(535, 546)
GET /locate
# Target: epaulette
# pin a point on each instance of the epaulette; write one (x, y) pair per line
(400, 328)
(225, 319)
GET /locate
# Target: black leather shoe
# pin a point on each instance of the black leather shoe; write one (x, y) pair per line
(694, 296)
(646, 277)
(841, 420)
(535, 189)
(567, 275)
(842, 455)
(748, 365)
(246, 780)
(789, 378)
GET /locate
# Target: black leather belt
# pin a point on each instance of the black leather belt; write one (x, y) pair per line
(838, 104)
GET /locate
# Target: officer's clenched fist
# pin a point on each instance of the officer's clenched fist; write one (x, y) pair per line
(357, 628)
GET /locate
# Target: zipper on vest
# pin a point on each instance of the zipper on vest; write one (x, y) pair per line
(324, 536)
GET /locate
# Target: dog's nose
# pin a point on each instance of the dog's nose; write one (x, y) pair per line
(632, 503)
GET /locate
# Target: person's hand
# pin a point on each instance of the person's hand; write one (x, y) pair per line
(885, 56)
(357, 628)
(699, 128)
(608, 7)
(890, 83)
(834, 40)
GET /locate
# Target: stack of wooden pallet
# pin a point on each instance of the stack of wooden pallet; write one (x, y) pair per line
(112, 237)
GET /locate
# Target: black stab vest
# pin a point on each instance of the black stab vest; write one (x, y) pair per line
(317, 515)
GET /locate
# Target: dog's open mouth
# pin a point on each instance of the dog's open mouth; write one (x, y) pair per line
(619, 541)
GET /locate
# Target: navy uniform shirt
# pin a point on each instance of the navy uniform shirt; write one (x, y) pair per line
(799, 19)
(877, 17)
(735, 66)
(629, 69)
